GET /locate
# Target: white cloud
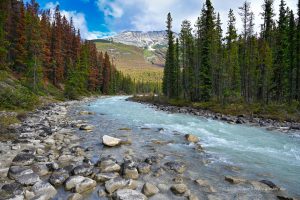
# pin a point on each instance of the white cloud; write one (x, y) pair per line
(146, 15)
(79, 22)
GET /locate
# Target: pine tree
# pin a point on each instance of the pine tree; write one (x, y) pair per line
(268, 15)
(3, 41)
(291, 55)
(177, 71)
(187, 60)
(280, 64)
(232, 72)
(298, 55)
(206, 52)
(169, 75)
(19, 52)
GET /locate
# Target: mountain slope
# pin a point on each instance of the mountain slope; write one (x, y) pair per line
(134, 61)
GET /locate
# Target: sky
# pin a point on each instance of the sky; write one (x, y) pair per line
(102, 18)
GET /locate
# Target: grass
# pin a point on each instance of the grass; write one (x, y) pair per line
(5, 122)
(133, 61)
(276, 111)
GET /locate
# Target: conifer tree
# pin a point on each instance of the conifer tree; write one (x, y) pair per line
(169, 75)
(297, 89)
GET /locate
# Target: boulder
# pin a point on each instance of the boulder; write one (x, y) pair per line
(41, 169)
(23, 159)
(28, 179)
(178, 167)
(130, 173)
(110, 141)
(149, 189)
(115, 184)
(191, 138)
(103, 177)
(44, 188)
(179, 189)
(79, 183)
(83, 170)
(75, 196)
(58, 177)
(108, 165)
(16, 171)
(127, 194)
(85, 185)
(144, 168)
(12, 189)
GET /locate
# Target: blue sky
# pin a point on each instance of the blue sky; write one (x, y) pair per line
(99, 18)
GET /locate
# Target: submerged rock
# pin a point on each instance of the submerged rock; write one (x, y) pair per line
(108, 165)
(83, 170)
(179, 189)
(86, 127)
(144, 168)
(191, 138)
(234, 180)
(128, 194)
(110, 141)
(75, 196)
(149, 189)
(270, 184)
(178, 167)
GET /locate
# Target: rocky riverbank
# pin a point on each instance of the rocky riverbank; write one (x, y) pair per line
(269, 124)
(48, 160)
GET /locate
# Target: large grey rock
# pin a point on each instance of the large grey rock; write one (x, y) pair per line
(178, 167)
(44, 188)
(28, 179)
(149, 189)
(23, 159)
(116, 184)
(128, 194)
(83, 170)
(108, 165)
(16, 171)
(58, 177)
(103, 177)
(110, 141)
(179, 189)
(144, 168)
(75, 196)
(41, 169)
(79, 183)
(12, 189)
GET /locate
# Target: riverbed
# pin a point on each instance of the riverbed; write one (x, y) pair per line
(236, 150)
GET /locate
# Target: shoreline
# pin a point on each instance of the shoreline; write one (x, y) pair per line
(268, 124)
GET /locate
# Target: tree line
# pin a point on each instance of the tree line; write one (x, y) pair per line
(41, 47)
(264, 67)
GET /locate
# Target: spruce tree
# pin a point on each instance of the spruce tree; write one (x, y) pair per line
(298, 55)
(206, 52)
(169, 75)
(291, 55)
(232, 72)
(281, 53)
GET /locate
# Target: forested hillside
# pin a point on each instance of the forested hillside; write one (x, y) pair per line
(226, 67)
(45, 53)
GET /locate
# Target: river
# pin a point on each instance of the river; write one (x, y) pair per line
(238, 150)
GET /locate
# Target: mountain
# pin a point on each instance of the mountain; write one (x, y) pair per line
(148, 40)
(133, 60)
